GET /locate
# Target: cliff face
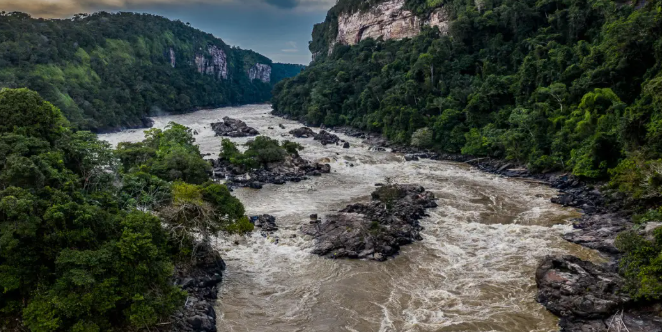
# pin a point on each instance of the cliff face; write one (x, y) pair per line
(260, 71)
(387, 20)
(214, 63)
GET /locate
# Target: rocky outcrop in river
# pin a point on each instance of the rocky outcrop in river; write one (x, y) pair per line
(292, 169)
(233, 128)
(374, 230)
(323, 136)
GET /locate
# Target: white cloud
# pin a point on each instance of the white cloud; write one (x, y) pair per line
(292, 47)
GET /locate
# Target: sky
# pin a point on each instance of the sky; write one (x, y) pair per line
(278, 29)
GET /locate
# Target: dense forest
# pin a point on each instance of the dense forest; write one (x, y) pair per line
(558, 85)
(89, 236)
(108, 71)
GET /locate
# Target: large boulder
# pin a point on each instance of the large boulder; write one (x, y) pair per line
(265, 222)
(326, 138)
(374, 230)
(233, 128)
(303, 132)
(572, 288)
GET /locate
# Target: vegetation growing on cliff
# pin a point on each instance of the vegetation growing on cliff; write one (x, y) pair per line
(82, 246)
(107, 71)
(568, 85)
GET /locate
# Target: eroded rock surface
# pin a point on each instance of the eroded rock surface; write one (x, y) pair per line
(233, 128)
(375, 230)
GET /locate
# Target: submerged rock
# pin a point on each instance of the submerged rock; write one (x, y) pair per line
(374, 230)
(233, 128)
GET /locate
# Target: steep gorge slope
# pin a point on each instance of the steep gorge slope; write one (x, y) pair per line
(108, 71)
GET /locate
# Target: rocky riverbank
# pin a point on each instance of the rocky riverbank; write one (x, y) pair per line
(199, 277)
(292, 169)
(375, 230)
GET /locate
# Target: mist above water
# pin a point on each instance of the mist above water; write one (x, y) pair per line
(473, 271)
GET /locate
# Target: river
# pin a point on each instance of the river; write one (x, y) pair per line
(473, 270)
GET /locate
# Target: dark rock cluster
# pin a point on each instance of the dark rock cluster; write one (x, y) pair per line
(293, 169)
(303, 132)
(589, 297)
(326, 137)
(323, 136)
(265, 222)
(233, 128)
(375, 230)
(199, 278)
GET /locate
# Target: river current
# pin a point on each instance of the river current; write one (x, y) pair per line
(473, 270)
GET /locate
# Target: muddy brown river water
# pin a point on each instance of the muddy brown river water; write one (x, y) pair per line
(473, 271)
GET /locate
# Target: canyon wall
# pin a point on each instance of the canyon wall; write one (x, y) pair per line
(214, 63)
(260, 71)
(388, 20)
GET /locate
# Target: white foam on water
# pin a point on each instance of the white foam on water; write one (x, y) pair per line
(473, 270)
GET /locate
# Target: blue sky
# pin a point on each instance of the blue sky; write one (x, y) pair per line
(279, 29)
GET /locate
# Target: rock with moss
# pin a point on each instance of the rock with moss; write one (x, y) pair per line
(373, 230)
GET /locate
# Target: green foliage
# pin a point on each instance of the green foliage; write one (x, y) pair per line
(109, 71)
(422, 138)
(25, 113)
(169, 154)
(241, 226)
(260, 151)
(642, 264)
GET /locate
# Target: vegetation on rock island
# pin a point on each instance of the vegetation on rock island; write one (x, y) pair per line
(570, 85)
(89, 236)
(260, 151)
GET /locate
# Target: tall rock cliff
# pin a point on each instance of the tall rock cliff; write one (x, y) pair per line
(260, 71)
(214, 63)
(388, 20)
(350, 22)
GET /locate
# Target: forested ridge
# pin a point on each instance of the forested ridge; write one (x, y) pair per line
(109, 71)
(557, 85)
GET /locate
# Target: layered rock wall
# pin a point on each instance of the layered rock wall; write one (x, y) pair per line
(388, 20)
(260, 71)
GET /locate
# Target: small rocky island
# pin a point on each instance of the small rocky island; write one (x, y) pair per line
(374, 230)
(233, 128)
(265, 161)
(323, 136)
